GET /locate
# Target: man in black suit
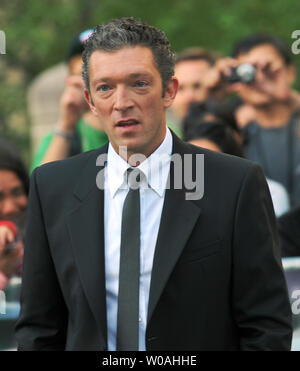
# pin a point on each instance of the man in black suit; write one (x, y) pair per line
(132, 259)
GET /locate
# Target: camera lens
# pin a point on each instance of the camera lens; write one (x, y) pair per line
(246, 72)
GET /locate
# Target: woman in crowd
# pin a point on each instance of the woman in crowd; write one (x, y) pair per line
(14, 186)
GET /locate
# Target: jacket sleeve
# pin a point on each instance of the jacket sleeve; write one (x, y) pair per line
(42, 323)
(260, 298)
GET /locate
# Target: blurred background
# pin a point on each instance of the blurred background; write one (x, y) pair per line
(37, 34)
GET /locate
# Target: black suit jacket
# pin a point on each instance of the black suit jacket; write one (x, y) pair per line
(289, 233)
(217, 280)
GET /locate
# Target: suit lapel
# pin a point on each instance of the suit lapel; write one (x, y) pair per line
(177, 222)
(86, 230)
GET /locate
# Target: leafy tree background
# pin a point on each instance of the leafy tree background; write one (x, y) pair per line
(37, 33)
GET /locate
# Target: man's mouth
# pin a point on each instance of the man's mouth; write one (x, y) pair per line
(126, 123)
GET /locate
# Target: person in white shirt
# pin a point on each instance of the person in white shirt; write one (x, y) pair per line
(123, 254)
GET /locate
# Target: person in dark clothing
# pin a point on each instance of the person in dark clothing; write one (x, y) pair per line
(163, 269)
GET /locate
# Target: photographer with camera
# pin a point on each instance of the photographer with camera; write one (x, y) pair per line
(261, 73)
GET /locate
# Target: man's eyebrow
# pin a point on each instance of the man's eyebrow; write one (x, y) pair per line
(130, 76)
(102, 79)
(13, 189)
(138, 75)
(17, 188)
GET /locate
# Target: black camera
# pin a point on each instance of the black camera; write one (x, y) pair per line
(243, 73)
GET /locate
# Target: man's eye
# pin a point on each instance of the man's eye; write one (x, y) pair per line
(103, 88)
(18, 192)
(141, 84)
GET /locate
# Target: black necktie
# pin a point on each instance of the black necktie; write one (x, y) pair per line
(128, 297)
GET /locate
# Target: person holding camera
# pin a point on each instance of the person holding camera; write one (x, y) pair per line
(77, 129)
(261, 72)
(108, 266)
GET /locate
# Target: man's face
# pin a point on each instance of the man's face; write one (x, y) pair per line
(13, 200)
(190, 75)
(273, 76)
(126, 94)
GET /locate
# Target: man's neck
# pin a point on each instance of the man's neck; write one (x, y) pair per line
(138, 155)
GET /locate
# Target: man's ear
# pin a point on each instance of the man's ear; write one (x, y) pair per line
(170, 92)
(90, 102)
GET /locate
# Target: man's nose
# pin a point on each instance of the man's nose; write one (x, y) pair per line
(260, 76)
(123, 99)
(8, 207)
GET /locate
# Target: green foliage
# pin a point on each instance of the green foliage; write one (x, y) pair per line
(37, 33)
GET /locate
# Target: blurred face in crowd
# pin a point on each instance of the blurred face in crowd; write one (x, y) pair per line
(126, 94)
(190, 75)
(273, 76)
(76, 85)
(13, 199)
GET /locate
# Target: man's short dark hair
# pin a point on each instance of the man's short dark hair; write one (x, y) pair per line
(123, 32)
(197, 54)
(250, 42)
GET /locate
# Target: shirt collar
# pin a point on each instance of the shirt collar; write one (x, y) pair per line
(155, 167)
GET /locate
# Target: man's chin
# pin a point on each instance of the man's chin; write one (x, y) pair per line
(264, 104)
(260, 102)
(131, 142)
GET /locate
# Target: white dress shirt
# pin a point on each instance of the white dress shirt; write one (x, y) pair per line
(156, 169)
(280, 197)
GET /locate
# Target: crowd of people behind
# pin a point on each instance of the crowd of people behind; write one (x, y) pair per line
(243, 105)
